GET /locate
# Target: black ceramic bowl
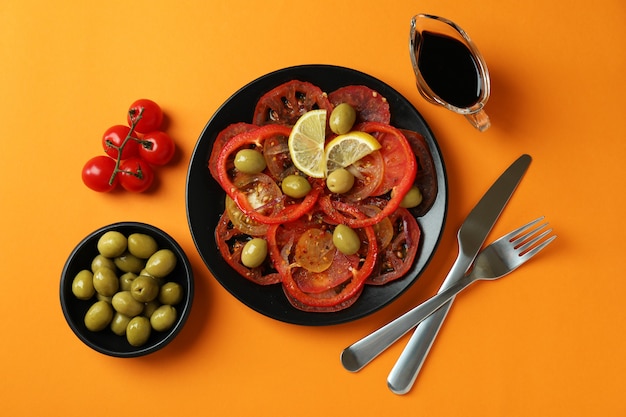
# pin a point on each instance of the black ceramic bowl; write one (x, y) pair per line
(106, 341)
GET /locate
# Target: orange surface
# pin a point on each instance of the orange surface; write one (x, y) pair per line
(548, 340)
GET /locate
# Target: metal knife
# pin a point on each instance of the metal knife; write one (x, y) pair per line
(471, 237)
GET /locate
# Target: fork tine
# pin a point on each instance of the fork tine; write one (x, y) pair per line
(520, 239)
(535, 238)
(510, 236)
(525, 256)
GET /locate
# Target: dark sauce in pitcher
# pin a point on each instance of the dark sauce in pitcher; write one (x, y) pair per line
(449, 69)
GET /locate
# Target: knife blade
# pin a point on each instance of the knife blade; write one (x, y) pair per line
(471, 236)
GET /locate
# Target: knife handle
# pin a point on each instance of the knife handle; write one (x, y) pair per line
(408, 365)
(403, 375)
(362, 352)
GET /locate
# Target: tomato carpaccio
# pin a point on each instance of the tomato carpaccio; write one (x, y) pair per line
(315, 275)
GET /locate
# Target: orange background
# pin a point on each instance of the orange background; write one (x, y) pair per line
(548, 340)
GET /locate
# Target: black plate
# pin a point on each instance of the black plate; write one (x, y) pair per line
(205, 198)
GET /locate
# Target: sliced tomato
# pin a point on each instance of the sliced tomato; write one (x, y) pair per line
(337, 207)
(230, 242)
(314, 250)
(426, 178)
(285, 103)
(242, 222)
(338, 272)
(369, 104)
(333, 299)
(397, 258)
(395, 153)
(276, 154)
(220, 140)
(290, 209)
(367, 176)
(384, 228)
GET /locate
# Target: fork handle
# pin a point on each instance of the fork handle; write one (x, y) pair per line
(360, 353)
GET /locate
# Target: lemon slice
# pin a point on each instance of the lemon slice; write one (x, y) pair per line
(306, 143)
(346, 149)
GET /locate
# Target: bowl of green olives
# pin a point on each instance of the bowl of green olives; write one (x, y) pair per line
(126, 289)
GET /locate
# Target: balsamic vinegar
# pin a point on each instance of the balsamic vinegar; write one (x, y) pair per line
(449, 69)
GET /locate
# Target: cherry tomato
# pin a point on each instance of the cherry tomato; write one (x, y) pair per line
(97, 174)
(151, 118)
(157, 148)
(135, 175)
(115, 136)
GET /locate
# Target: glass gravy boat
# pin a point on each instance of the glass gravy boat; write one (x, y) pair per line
(449, 69)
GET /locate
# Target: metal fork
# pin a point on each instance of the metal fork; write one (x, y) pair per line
(495, 261)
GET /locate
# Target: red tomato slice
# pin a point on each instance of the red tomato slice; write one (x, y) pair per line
(333, 299)
(315, 250)
(397, 258)
(338, 272)
(242, 222)
(230, 242)
(287, 102)
(336, 208)
(367, 173)
(224, 136)
(291, 209)
(394, 154)
(369, 104)
(277, 158)
(426, 178)
(315, 302)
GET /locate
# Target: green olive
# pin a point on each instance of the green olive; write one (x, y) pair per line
(112, 244)
(144, 288)
(413, 198)
(128, 262)
(346, 240)
(340, 181)
(126, 280)
(172, 293)
(141, 245)
(342, 118)
(138, 331)
(161, 263)
(123, 302)
(102, 262)
(159, 280)
(295, 186)
(82, 285)
(250, 161)
(150, 308)
(98, 316)
(119, 324)
(106, 282)
(163, 318)
(254, 252)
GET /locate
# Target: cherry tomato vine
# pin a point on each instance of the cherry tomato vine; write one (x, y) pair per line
(131, 152)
